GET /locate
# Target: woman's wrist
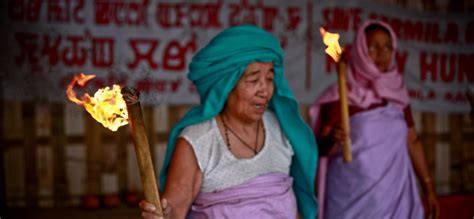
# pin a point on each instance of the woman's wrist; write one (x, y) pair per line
(427, 185)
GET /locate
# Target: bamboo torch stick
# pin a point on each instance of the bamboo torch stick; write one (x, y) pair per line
(334, 50)
(142, 148)
(341, 80)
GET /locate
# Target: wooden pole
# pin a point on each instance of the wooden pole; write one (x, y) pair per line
(122, 142)
(94, 167)
(142, 148)
(457, 154)
(3, 191)
(30, 152)
(341, 80)
(59, 142)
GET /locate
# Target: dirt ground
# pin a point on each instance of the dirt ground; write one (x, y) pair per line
(71, 213)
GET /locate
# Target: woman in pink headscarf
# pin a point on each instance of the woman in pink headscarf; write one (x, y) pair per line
(380, 182)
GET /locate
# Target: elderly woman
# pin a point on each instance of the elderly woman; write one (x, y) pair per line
(380, 182)
(244, 152)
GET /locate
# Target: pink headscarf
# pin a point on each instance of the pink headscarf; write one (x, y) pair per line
(366, 84)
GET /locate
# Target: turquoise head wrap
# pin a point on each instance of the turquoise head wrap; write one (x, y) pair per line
(217, 68)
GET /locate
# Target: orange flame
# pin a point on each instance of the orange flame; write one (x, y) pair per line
(332, 41)
(107, 106)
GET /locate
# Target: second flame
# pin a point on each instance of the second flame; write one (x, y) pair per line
(332, 41)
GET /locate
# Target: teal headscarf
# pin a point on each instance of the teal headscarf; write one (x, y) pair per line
(217, 68)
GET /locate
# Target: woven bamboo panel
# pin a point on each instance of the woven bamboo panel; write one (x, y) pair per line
(55, 154)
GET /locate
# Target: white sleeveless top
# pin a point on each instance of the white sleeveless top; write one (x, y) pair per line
(221, 169)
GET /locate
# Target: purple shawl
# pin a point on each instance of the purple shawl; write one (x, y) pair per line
(267, 196)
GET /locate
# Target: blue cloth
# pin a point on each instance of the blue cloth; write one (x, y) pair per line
(217, 68)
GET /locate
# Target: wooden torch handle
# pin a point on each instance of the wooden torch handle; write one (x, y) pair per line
(142, 148)
(341, 79)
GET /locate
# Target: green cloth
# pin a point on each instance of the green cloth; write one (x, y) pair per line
(217, 68)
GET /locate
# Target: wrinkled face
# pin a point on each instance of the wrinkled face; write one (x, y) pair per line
(380, 48)
(253, 92)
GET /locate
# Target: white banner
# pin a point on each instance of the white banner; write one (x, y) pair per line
(149, 44)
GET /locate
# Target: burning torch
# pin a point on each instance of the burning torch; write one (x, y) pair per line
(334, 50)
(115, 107)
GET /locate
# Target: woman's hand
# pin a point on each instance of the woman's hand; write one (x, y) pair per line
(148, 210)
(432, 208)
(338, 134)
(329, 137)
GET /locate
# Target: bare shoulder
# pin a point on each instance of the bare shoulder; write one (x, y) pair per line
(183, 149)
